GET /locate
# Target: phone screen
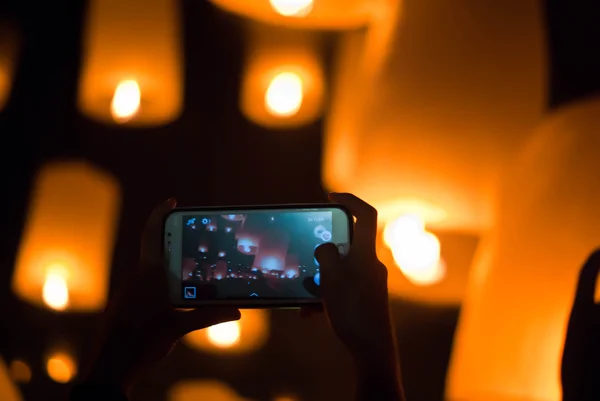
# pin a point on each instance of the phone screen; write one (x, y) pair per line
(260, 254)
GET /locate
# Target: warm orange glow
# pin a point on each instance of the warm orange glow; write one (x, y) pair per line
(19, 371)
(55, 292)
(314, 14)
(8, 59)
(283, 97)
(65, 253)
(132, 64)
(126, 101)
(286, 398)
(61, 367)
(202, 390)
(415, 251)
(283, 84)
(511, 331)
(443, 283)
(292, 8)
(403, 227)
(225, 334)
(248, 334)
(412, 138)
(8, 389)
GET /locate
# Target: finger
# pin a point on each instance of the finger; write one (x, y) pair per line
(365, 228)
(588, 278)
(311, 286)
(328, 256)
(201, 318)
(311, 310)
(152, 248)
(329, 260)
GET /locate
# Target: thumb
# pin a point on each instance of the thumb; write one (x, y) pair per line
(201, 318)
(329, 259)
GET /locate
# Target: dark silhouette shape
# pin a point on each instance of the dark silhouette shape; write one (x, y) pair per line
(580, 370)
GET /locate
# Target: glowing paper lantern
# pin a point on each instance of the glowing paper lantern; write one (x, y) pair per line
(292, 269)
(224, 335)
(8, 389)
(248, 334)
(20, 371)
(314, 14)
(442, 283)
(283, 84)
(61, 367)
(418, 124)
(220, 271)
(509, 340)
(65, 254)
(233, 217)
(272, 252)
(247, 241)
(132, 70)
(8, 58)
(415, 250)
(203, 390)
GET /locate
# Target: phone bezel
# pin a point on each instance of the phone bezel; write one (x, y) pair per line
(173, 261)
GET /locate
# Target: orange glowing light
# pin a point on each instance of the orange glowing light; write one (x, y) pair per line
(55, 292)
(225, 334)
(126, 101)
(248, 334)
(132, 63)
(409, 148)
(9, 44)
(292, 8)
(66, 249)
(512, 325)
(20, 371)
(61, 367)
(8, 389)
(284, 94)
(283, 84)
(203, 390)
(307, 14)
(415, 251)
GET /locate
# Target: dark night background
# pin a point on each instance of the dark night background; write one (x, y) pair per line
(200, 159)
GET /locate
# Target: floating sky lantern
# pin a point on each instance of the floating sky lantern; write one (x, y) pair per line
(413, 138)
(58, 266)
(313, 14)
(246, 335)
(509, 340)
(283, 84)
(132, 70)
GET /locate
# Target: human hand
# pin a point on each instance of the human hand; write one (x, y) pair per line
(580, 368)
(355, 299)
(142, 326)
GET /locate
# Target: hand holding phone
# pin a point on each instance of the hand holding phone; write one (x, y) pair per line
(254, 256)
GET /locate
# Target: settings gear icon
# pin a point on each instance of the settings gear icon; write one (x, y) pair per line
(205, 221)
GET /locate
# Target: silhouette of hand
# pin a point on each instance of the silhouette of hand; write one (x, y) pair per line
(143, 327)
(354, 287)
(580, 371)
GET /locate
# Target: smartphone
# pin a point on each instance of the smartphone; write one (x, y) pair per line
(250, 256)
